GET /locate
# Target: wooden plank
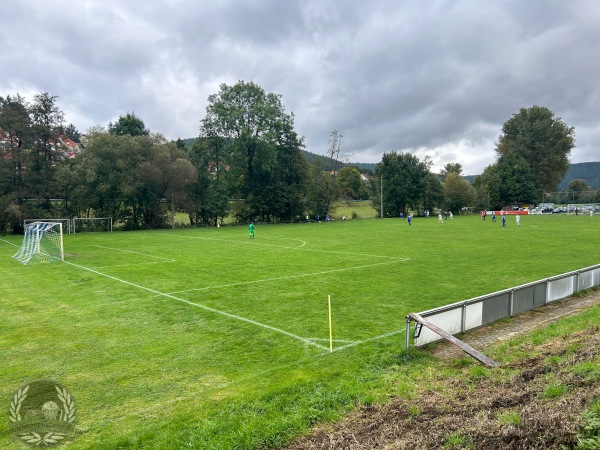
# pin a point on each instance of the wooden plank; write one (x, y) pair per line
(460, 344)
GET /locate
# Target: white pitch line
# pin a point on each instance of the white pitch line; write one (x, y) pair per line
(254, 242)
(265, 280)
(137, 253)
(9, 243)
(381, 336)
(207, 308)
(327, 340)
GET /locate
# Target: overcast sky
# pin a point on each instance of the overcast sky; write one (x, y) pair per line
(434, 78)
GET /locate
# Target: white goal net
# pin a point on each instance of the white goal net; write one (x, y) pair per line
(43, 240)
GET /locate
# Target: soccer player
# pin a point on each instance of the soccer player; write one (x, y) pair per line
(518, 220)
(251, 230)
(503, 221)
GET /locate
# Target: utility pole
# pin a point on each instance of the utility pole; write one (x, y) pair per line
(172, 205)
(381, 195)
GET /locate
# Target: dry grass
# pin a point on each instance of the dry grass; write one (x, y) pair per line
(471, 411)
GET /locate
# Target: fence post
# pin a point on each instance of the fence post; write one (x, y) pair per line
(463, 317)
(511, 303)
(407, 337)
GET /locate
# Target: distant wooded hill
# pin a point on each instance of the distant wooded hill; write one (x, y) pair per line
(588, 171)
(311, 158)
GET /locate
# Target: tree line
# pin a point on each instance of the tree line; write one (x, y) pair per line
(247, 163)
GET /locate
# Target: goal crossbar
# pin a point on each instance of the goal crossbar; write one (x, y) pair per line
(65, 222)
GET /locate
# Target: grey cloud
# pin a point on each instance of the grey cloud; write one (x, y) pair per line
(434, 78)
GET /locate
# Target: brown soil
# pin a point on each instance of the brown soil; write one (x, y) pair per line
(510, 407)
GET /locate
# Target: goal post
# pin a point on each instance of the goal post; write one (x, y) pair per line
(42, 240)
(92, 224)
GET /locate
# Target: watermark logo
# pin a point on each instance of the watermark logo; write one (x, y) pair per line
(42, 413)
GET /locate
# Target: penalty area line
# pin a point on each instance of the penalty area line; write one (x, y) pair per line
(206, 308)
(137, 253)
(9, 243)
(290, 277)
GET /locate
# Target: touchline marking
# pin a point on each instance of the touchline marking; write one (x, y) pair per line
(253, 242)
(207, 308)
(265, 280)
(381, 336)
(137, 253)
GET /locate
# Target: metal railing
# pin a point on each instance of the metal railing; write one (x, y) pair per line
(483, 310)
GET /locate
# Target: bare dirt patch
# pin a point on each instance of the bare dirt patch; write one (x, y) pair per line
(533, 403)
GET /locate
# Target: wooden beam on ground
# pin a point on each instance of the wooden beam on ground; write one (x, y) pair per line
(460, 344)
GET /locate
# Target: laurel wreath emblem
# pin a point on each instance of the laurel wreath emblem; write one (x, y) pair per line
(35, 439)
(15, 405)
(68, 404)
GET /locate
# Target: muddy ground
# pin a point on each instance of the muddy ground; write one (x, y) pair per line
(533, 403)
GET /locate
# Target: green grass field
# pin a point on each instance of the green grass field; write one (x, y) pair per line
(203, 338)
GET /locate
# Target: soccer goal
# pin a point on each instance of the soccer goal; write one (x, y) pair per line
(581, 209)
(92, 224)
(44, 240)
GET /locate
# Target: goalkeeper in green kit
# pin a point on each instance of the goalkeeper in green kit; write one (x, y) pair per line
(251, 230)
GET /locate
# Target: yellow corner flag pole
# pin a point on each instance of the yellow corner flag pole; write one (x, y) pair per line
(330, 328)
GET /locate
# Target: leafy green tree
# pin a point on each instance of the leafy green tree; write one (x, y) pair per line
(519, 182)
(323, 190)
(289, 185)
(578, 185)
(72, 133)
(433, 194)
(488, 188)
(128, 125)
(15, 127)
(45, 151)
(165, 174)
(451, 168)
(351, 183)
(257, 128)
(66, 182)
(542, 140)
(581, 190)
(107, 173)
(404, 180)
(458, 192)
(208, 197)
